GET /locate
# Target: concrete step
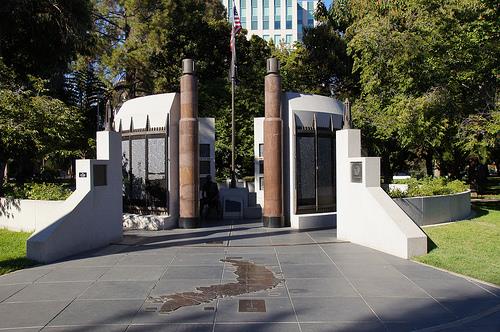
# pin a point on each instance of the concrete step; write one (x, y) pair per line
(253, 212)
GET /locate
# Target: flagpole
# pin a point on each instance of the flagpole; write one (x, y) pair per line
(233, 173)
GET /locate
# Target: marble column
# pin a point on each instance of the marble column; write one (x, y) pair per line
(188, 148)
(273, 145)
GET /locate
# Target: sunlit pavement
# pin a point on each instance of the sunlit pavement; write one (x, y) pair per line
(317, 284)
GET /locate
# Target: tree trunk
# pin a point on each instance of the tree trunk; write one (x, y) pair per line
(2, 172)
(428, 164)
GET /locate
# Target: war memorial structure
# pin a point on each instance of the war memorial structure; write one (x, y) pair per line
(309, 173)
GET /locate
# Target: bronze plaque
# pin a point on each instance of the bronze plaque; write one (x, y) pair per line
(100, 178)
(252, 306)
(356, 172)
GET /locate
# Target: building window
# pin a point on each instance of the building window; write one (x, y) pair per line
(261, 183)
(266, 37)
(289, 14)
(265, 15)
(315, 164)
(230, 10)
(261, 149)
(288, 40)
(277, 14)
(243, 13)
(261, 166)
(310, 14)
(300, 16)
(255, 17)
(277, 40)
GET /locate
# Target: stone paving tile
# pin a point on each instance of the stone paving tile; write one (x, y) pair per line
(114, 290)
(343, 326)
(74, 274)
(332, 309)
(193, 272)
(22, 315)
(7, 291)
(370, 271)
(146, 259)
(257, 258)
(201, 250)
(257, 327)
(388, 287)
(172, 286)
(23, 276)
(50, 292)
(194, 314)
(310, 271)
(84, 328)
(468, 307)
(150, 250)
(328, 287)
(133, 273)
(277, 310)
(309, 248)
(304, 258)
(104, 261)
(198, 260)
(171, 327)
(417, 271)
(235, 251)
(452, 288)
(342, 258)
(98, 312)
(418, 313)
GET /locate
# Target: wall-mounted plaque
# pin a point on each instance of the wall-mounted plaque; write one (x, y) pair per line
(100, 176)
(356, 172)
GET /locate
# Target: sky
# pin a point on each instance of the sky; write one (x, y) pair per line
(327, 3)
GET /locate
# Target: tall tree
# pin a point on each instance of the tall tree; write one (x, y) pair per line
(40, 38)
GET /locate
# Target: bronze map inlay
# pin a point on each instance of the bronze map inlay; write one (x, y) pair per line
(250, 278)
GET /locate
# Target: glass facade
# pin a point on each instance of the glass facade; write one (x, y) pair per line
(243, 14)
(300, 18)
(277, 39)
(255, 15)
(315, 164)
(289, 14)
(310, 14)
(277, 14)
(265, 15)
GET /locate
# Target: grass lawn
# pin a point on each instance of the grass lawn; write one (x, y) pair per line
(13, 251)
(469, 247)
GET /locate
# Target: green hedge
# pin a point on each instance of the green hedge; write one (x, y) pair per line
(429, 187)
(38, 191)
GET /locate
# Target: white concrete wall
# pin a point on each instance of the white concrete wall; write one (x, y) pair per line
(206, 135)
(438, 209)
(92, 216)
(27, 215)
(366, 215)
(258, 138)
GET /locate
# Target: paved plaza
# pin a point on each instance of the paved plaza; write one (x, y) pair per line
(298, 281)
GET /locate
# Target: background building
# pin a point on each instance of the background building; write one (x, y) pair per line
(282, 21)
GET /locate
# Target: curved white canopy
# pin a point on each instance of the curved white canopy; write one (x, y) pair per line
(157, 107)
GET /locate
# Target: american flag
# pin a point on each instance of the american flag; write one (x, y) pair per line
(234, 32)
(236, 27)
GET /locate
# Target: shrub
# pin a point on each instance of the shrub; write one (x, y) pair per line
(429, 187)
(38, 191)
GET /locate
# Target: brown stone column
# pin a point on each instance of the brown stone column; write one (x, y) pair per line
(188, 148)
(273, 145)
